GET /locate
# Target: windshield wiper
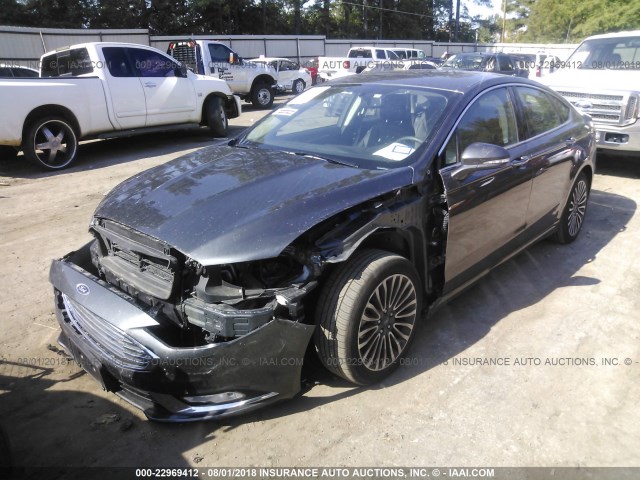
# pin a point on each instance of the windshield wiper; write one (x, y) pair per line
(326, 159)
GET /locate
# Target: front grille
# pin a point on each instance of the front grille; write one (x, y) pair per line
(109, 340)
(592, 96)
(605, 108)
(134, 262)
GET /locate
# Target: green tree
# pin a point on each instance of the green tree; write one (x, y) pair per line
(119, 14)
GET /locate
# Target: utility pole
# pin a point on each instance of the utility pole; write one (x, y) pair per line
(364, 19)
(504, 19)
(380, 32)
(457, 20)
(450, 19)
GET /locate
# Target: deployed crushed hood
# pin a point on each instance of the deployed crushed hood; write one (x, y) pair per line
(224, 205)
(592, 80)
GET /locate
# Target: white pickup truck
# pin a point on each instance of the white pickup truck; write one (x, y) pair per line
(99, 90)
(254, 82)
(357, 59)
(602, 78)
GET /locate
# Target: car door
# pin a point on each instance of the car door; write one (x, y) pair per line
(552, 140)
(235, 74)
(128, 101)
(487, 209)
(287, 73)
(170, 97)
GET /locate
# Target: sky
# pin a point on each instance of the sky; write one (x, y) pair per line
(484, 11)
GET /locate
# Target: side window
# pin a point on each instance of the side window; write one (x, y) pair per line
(505, 64)
(23, 73)
(380, 54)
(490, 119)
(67, 63)
(219, 53)
(5, 72)
(152, 64)
(117, 62)
(539, 111)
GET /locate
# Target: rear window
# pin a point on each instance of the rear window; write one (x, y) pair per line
(360, 53)
(67, 63)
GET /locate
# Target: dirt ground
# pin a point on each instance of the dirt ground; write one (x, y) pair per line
(563, 324)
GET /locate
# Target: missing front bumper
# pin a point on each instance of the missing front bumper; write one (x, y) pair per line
(175, 383)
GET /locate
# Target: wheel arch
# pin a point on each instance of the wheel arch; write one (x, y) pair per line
(404, 242)
(51, 110)
(588, 171)
(263, 78)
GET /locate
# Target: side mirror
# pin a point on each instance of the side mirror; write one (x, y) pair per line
(480, 156)
(181, 71)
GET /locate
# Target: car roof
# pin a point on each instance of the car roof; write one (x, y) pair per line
(99, 44)
(630, 33)
(452, 80)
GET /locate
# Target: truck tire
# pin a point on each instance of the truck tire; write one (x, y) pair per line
(216, 117)
(262, 96)
(367, 314)
(51, 143)
(8, 153)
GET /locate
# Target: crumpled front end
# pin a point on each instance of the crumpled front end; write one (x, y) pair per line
(173, 340)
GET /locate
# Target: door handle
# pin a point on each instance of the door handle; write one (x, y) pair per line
(487, 181)
(517, 162)
(150, 85)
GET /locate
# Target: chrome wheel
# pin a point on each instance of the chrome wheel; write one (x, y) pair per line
(264, 95)
(51, 143)
(574, 211)
(387, 322)
(298, 86)
(577, 207)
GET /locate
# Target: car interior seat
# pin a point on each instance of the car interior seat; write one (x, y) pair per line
(426, 115)
(395, 121)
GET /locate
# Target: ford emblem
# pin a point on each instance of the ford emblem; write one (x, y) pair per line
(584, 104)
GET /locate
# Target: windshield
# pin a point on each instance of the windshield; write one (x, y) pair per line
(620, 53)
(464, 62)
(368, 126)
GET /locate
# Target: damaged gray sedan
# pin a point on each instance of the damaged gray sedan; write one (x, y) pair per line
(334, 225)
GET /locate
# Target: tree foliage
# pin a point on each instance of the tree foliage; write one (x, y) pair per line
(527, 20)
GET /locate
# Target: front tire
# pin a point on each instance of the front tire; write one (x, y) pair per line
(262, 96)
(574, 211)
(51, 143)
(298, 86)
(367, 315)
(216, 117)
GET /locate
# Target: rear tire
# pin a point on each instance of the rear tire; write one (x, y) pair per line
(262, 96)
(574, 211)
(51, 143)
(216, 117)
(367, 314)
